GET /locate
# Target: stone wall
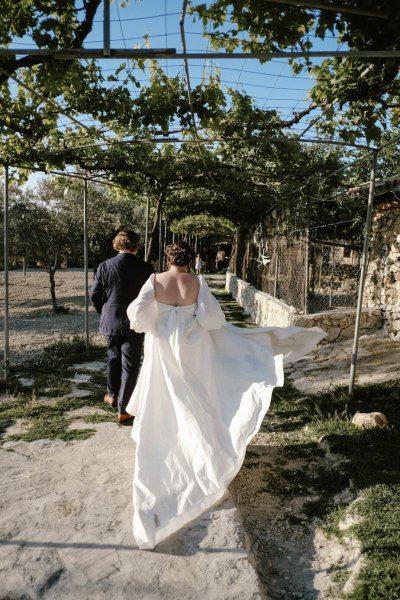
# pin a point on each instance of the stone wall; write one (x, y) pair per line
(340, 323)
(268, 311)
(264, 309)
(382, 286)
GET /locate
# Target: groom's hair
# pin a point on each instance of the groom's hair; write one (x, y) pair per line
(126, 239)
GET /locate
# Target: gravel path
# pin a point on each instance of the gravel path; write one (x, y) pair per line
(65, 530)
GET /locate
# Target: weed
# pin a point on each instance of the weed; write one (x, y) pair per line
(100, 418)
(335, 516)
(61, 309)
(338, 581)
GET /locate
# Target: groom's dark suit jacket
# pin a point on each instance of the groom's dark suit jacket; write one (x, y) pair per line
(118, 281)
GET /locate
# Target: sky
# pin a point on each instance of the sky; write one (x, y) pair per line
(271, 85)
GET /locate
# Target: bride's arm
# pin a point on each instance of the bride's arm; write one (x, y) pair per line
(208, 312)
(142, 311)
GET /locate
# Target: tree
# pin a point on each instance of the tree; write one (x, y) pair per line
(201, 225)
(57, 232)
(46, 224)
(367, 91)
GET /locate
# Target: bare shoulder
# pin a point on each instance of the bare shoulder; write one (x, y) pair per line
(189, 277)
(170, 276)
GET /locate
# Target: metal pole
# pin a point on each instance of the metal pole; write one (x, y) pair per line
(85, 261)
(160, 248)
(6, 281)
(307, 252)
(306, 268)
(332, 270)
(146, 235)
(276, 265)
(363, 272)
(106, 28)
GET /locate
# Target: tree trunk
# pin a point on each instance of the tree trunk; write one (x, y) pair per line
(52, 272)
(154, 232)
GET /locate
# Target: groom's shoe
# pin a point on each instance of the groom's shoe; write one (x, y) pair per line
(110, 400)
(124, 417)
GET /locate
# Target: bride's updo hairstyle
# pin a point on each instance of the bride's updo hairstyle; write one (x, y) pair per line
(179, 254)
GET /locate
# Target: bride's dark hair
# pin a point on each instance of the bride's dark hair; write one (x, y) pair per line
(180, 254)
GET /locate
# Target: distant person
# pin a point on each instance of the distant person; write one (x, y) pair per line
(219, 260)
(198, 265)
(117, 283)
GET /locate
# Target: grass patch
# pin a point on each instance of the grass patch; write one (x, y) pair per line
(100, 418)
(233, 312)
(62, 353)
(48, 420)
(379, 534)
(339, 580)
(54, 427)
(331, 527)
(368, 463)
(50, 371)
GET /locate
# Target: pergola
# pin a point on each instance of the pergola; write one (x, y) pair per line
(106, 52)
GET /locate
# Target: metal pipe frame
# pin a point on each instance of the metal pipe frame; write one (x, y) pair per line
(363, 273)
(160, 245)
(170, 53)
(86, 260)
(146, 236)
(67, 174)
(214, 140)
(6, 280)
(312, 4)
(106, 27)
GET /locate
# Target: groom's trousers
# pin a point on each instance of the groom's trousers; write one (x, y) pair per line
(123, 364)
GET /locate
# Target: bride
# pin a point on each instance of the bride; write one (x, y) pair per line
(202, 393)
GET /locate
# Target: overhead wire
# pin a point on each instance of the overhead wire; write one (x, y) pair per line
(188, 88)
(129, 68)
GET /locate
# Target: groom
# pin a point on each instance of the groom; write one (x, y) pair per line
(117, 283)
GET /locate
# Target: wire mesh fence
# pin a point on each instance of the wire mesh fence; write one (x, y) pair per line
(313, 269)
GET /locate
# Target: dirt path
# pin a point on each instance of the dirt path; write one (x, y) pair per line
(32, 322)
(59, 531)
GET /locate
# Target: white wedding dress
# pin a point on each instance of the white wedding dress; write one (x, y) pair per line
(203, 390)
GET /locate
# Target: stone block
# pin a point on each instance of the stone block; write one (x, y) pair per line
(333, 334)
(395, 326)
(370, 420)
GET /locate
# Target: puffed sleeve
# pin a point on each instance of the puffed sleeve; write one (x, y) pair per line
(208, 312)
(142, 311)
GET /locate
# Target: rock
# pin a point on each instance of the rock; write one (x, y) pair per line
(396, 325)
(297, 375)
(370, 420)
(333, 334)
(25, 381)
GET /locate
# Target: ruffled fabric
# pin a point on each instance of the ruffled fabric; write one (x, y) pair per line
(202, 393)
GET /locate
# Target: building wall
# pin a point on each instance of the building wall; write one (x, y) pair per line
(382, 286)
